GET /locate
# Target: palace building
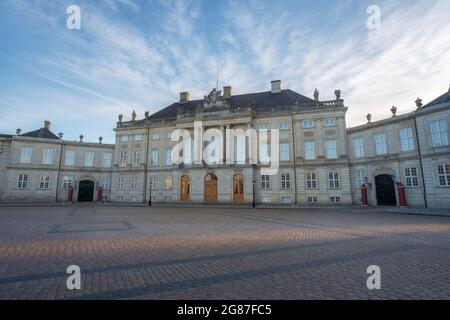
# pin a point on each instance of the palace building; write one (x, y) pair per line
(321, 161)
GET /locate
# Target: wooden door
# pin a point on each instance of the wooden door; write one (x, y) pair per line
(238, 188)
(185, 188)
(210, 188)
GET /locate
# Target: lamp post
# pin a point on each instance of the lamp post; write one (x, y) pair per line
(150, 197)
(253, 203)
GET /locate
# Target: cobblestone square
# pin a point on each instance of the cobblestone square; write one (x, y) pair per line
(127, 252)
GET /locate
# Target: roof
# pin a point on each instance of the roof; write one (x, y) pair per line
(41, 133)
(445, 98)
(260, 100)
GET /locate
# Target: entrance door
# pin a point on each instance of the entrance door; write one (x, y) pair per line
(185, 188)
(385, 190)
(86, 191)
(238, 188)
(211, 188)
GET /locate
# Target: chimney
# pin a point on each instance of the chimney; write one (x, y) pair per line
(184, 97)
(227, 92)
(276, 86)
(47, 125)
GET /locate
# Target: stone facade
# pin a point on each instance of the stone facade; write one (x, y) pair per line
(323, 162)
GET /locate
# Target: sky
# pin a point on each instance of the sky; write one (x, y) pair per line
(138, 55)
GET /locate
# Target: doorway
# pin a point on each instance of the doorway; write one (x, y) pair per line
(385, 190)
(238, 188)
(86, 191)
(211, 188)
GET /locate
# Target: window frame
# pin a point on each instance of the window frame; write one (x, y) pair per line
(444, 176)
(26, 157)
(311, 148)
(311, 180)
(382, 143)
(285, 181)
(22, 181)
(284, 154)
(86, 163)
(47, 156)
(265, 182)
(358, 148)
(72, 158)
(334, 154)
(334, 179)
(44, 182)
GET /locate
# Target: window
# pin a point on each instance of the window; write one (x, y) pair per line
(137, 158)
(120, 198)
(358, 145)
(168, 157)
(107, 158)
(265, 181)
(406, 139)
(331, 149)
(22, 182)
(333, 179)
(168, 182)
(70, 158)
(264, 153)
(329, 122)
(334, 199)
(120, 183)
(138, 137)
(134, 183)
(308, 124)
(310, 151)
(284, 152)
(239, 149)
(213, 148)
(153, 184)
(263, 126)
(312, 199)
(439, 133)
(47, 156)
(285, 199)
(44, 181)
(380, 143)
(360, 178)
(124, 138)
(154, 157)
(123, 159)
(284, 125)
(285, 181)
(311, 180)
(106, 184)
(155, 136)
(133, 199)
(169, 135)
(67, 182)
(167, 198)
(88, 159)
(444, 175)
(411, 177)
(25, 155)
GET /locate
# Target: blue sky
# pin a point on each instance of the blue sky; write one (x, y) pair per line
(132, 54)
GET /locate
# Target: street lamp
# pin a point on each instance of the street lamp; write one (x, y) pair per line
(253, 203)
(150, 198)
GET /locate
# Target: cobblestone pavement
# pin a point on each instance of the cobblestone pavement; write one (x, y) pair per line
(219, 253)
